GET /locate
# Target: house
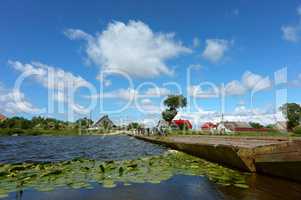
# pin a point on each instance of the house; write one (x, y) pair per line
(181, 122)
(2, 117)
(208, 126)
(280, 125)
(237, 126)
(104, 122)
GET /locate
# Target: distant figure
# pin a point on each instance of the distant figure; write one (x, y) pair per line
(161, 127)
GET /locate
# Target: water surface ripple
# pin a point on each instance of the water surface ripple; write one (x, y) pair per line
(55, 149)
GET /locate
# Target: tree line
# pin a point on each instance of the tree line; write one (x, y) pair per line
(43, 123)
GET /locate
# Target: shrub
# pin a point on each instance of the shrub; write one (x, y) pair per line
(297, 130)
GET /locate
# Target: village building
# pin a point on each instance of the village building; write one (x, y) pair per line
(182, 122)
(280, 125)
(103, 122)
(2, 117)
(237, 126)
(208, 126)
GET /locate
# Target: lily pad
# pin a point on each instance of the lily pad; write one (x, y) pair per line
(79, 173)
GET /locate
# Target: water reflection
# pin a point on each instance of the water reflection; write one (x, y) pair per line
(264, 188)
(178, 187)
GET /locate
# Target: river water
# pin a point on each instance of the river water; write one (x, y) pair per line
(34, 150)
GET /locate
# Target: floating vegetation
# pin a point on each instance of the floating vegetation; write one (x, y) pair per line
(79, 173)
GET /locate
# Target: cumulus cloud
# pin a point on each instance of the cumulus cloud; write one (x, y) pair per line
(256, 82)
(243, 110)
(157, 91)
(54, 78)
(292, 33)
(198, 92)
(249, 82)
(132, 48)
(49, 76)
(215, 49)
(14, 102)
(148, 107)
(74, 34)
(235, 88)
(128, 94)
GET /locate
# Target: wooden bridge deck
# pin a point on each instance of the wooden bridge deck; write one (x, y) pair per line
(278, 156)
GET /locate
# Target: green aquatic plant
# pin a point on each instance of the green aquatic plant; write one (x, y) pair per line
(79, 173)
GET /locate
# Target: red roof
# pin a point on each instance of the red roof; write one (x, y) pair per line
(2, 117)
(208, 125)
(183, 121)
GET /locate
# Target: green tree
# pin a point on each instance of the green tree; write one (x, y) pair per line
(256, 125)
(292, 112)
(84, 122)
(271, 126)
(133, 125)
(17, 123)
(173, 102)
(106, 125)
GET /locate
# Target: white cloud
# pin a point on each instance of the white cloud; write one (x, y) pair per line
(56, 79)
(290, 33)
(131, 94)
(196, 42)
(215, 49)
(146, 106)
(49, 76)
(132, 48)
(198, 92)
(243, 110)
(124, 94)
(249, 82)
(74, 34)
(235, 88)
(14, 102)
(157, 91)
(255, 82)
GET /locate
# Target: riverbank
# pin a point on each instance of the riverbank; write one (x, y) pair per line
(277, 156)
(55, 132)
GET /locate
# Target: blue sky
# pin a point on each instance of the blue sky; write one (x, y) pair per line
(240, 44)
